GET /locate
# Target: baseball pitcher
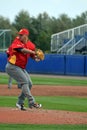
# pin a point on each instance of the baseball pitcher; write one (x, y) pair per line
(19, 51)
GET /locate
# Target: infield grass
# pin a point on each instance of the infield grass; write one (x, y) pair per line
(51, 102)
(41, 127)
(37, 80)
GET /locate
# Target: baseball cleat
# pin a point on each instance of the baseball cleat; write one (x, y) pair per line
(21, 107)
(35, 105)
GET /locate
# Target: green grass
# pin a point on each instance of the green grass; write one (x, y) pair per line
(54, 103)
(78, 104)
(58, 81)
(49, 81)
(41, 127)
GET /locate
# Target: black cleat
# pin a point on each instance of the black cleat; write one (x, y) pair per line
(21, 107)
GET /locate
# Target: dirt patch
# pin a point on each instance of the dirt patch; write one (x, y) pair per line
(45, 90)
(15, 116)
(34, 116)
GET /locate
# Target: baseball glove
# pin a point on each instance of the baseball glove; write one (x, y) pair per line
(40, 54)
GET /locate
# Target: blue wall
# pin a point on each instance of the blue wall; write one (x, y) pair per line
(75, 65)
(3, 61)
(54, 64)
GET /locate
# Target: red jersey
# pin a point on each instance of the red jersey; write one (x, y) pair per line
(18, 58)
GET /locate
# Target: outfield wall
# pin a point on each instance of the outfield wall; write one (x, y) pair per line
(54, 64)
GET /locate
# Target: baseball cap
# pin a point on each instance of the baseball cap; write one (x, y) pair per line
(23, 31)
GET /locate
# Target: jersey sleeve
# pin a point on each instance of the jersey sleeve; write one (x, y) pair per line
(31, 46)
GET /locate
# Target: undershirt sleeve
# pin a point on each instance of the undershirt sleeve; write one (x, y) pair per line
(18, 49)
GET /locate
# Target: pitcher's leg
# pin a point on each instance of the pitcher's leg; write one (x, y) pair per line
(28, 94)
(10, 82)
(28, 79)
(19, 75)
(26, 89)
(22, 96)
(32, 103)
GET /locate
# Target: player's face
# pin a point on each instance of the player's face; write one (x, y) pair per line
(24, 38)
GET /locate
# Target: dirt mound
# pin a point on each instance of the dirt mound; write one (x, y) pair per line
(15, 116)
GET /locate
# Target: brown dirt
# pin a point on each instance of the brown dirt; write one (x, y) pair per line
(34, 116)
(45, 90)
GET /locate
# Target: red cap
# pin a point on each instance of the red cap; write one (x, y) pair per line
(23, 31)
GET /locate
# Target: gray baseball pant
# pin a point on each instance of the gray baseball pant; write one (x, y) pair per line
(23, 78)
